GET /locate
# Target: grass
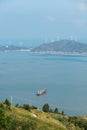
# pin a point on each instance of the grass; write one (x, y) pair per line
(44, 121)
(36, 119)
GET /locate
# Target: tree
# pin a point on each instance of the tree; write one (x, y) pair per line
(17, 105)
(56, 110)
(26, 107)
(7, 102)
(46, 108)
(62, 113)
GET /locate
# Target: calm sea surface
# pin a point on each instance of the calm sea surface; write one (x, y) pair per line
(22, 74)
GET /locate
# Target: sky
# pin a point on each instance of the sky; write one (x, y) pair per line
(43, 19)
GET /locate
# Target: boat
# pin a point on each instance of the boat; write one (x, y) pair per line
(41, 92)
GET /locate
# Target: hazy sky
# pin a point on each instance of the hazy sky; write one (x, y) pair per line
(44, 19)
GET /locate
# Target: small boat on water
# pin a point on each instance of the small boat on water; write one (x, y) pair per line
(41, 92)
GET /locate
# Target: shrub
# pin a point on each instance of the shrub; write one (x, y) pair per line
(56, 110)
(28, 126)
(62, 113)
(46, 108)
(4, 120)
(7, 102)
(26, 107)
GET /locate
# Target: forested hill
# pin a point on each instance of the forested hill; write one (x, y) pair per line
(62, 46)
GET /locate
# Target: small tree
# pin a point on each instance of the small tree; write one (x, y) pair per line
(62, 113)
(7, 102)
(17, 105)
(46, 108)
(26, 107)
(56, 110)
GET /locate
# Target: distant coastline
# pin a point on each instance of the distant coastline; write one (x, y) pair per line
(60, 53)
(15, 50)
(62, 47)
(47, 52)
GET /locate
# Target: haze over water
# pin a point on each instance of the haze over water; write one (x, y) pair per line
(22, 74)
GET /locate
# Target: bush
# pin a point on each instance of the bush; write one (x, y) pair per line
(26, 107)
(1, 105)
(7, 102)
(62, 113)
(28, 126)
(33, 107)
(14, 123)
(56, 110)
(81, 123)
(17, 105)
(46, 108)
(4, 120)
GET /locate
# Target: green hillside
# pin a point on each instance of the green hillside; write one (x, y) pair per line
(24, 118)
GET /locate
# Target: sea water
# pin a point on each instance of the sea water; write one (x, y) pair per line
(22, 74)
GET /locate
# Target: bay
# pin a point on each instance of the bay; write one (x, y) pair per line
(22, 74)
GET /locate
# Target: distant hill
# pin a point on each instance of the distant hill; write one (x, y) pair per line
(13, 48)
(62, 46)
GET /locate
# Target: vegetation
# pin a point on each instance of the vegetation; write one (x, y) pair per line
(7, 102)
(46, 108)
(56, 110)
(4, 120)
(28, 117)
(79, 122)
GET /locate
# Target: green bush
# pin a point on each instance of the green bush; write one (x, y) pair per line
(28, 126)
(26, 107)
(7, 102)
(4, 120)
(46, 108)
(81, 123)
(56, 110)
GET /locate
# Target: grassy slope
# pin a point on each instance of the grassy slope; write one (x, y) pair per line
(44, 121)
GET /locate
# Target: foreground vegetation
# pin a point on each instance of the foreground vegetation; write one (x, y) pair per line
(28, 117)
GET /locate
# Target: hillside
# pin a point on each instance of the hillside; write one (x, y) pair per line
(19, 118)
(62, 46)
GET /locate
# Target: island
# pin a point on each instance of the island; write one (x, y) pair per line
(62, 46)
(56, 47)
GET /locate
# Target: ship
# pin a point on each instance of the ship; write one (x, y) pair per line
(41, 92)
